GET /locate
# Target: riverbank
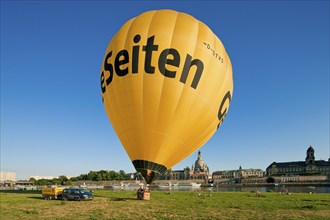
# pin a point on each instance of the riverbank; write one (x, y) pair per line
(325, 184)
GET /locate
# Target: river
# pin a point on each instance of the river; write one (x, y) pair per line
(231, 188)
(290, 188)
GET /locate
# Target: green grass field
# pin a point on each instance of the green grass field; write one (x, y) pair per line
(177, 205)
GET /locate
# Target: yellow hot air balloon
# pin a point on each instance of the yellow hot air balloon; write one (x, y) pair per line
(166, 83)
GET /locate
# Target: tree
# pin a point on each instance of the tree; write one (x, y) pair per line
(56, 181)
(98, 177)
(91, 175)
(82, 177)
(102, 175)
(42, 182)
(113, 175)
(68, 183)
(33, 180)
(62, 179)
(122, 174)
(73, 179)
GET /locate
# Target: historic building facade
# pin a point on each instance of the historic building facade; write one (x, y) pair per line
(309, 167)
(237, 174)
(199, 170)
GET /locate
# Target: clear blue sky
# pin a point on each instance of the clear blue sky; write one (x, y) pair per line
(52, 118)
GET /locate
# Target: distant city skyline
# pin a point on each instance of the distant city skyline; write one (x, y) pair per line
(205, 160)
(53, 121)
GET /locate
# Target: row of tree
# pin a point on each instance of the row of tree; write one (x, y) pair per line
(102, 175)
(61, 180)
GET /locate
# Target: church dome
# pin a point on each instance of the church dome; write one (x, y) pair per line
(199, 163)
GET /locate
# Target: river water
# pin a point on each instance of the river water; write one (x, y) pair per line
(295, 189)
(230, 188)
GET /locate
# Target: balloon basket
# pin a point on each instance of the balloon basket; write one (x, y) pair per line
(143, 195)
(146, 196)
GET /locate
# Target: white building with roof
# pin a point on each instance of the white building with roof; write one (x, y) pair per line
(7, 176)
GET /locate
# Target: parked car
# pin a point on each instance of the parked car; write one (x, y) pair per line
(77, 194)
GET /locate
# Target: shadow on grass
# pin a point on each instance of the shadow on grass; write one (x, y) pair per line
(122, 199)
(36, 197)
(116, 198)
(21, 191)
(308, 207)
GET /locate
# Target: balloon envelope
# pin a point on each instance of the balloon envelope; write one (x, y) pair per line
(166, 83)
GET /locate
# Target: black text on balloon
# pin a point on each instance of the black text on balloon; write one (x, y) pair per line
(222, 112)
(124, 64)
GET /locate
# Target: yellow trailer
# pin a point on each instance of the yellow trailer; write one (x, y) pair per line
(52, 192)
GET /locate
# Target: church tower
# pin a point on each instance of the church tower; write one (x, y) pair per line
(310, 161)
(310, 158)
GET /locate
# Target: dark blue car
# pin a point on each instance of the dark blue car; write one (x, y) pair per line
(77, 194)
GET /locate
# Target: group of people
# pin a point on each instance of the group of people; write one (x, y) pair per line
(141, 191)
